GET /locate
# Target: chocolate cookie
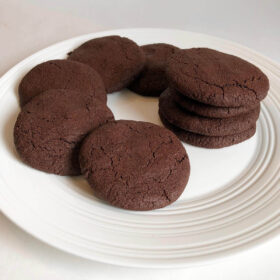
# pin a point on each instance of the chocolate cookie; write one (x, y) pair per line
(61, 74)
(50, 127)
(209, 111)
(201, 125)
(216, 78)
(211, 142)
(152, 81)
(135, 165)
(117, 59)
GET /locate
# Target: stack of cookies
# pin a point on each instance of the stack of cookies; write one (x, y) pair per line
(213, 99)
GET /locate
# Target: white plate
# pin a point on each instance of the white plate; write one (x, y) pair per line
(232, 200)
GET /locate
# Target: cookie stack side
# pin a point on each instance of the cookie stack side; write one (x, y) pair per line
(212, 94)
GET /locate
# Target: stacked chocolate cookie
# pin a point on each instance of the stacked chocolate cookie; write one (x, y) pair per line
(152, 81)
(213, 99)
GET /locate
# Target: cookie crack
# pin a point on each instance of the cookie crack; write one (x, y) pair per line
(154, 151)
(244, 86)
(124, 51)
(166, 195)
(56, 65)
(66, 141)
(182, 159)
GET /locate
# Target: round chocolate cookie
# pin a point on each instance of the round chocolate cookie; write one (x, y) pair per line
(216, 78)
(152, 81)
(206, 110)
(201, 125)
(50, 127)
(211, 142)
(61, 74)
(117, 59)
(135, 165)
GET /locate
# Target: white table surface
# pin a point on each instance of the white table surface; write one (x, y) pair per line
(30, 25)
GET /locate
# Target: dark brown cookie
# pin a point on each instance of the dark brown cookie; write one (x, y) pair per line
(135, 165)
(61, 74)
(206, 110)
(216, 78)
(201, 125)
(50, 127)
(152, 81)
(117, 59)
(210, 142)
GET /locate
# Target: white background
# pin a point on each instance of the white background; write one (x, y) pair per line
(27, 26)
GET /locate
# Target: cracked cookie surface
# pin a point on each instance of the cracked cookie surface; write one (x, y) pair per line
(210, 142)
(117, 59)
(50, 128)
(216, 78)
(61, 74)
(206, 110)
(152, 81)
(135, 165)
(202, 125)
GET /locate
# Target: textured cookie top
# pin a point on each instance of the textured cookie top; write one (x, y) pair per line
(49, 129)
(216, 78)
(117, 59)
(152, 81)
(61, 74)
(205, 126)
(135, 165)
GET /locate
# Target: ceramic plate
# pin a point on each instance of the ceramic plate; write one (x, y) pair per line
(232, 200)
